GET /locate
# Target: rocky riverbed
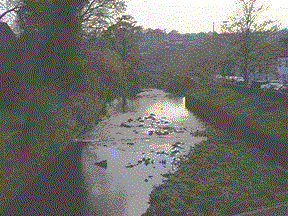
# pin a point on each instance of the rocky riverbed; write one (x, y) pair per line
(132, 150)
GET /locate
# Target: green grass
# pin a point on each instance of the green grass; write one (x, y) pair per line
(246, 107)
(218, 177)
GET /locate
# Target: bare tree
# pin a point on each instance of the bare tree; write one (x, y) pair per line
(99, 14)
(250, 35)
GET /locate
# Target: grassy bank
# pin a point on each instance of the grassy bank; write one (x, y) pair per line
(247, 107)
(217, 177)
(29, 142)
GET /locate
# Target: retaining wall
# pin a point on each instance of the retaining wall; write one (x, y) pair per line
(240, 128)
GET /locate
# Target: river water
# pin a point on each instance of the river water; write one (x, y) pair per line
(131, 149)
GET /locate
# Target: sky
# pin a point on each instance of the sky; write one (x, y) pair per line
(188, 16)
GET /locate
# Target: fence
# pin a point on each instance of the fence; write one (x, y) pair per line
(270, 95)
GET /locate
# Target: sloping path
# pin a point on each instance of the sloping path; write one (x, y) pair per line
(275, 210)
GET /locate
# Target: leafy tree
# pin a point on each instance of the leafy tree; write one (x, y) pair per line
(208, 54)
(51, 34)
(250, 36)
(104, 71)
(121, 37)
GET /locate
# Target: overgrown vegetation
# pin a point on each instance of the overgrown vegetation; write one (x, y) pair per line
(217, 177)
(54, 83)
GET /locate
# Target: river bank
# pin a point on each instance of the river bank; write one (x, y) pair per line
(236, 180)
(28, 146)
(57, 189)
(26, 152)
(218, 177)
(265, 119)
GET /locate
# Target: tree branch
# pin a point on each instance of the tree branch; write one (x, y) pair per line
(8, 11)
(90, 10)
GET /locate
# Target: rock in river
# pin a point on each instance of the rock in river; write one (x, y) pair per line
(102, 164)
(162, 132)
(125, 125)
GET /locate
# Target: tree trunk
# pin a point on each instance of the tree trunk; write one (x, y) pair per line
(124, 103)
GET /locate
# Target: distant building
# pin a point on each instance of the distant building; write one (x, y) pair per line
(282, 68)
(268, 74)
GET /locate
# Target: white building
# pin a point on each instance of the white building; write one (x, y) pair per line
(282, 68)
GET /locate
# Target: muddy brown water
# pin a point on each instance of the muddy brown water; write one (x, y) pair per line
(130, 151)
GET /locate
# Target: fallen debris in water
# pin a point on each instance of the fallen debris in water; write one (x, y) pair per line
(167, 175)
(162, 153)
(129, 166)
(162, 132)
(102, 164)
(163, 161)
(125, 125)
(180, 143)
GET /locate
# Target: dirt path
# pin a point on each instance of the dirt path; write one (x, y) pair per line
(275, 210)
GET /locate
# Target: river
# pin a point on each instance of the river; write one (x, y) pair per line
(128, 152)
(131, 149)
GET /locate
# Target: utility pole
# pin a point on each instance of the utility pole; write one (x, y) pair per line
(214, 26)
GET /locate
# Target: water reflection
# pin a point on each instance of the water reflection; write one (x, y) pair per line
(169, 109)
(140, 146)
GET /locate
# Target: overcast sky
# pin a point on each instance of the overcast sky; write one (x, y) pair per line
(188, 16)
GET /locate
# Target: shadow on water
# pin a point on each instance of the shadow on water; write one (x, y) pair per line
(57, 190)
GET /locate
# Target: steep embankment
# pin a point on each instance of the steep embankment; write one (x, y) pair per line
(219, 176)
